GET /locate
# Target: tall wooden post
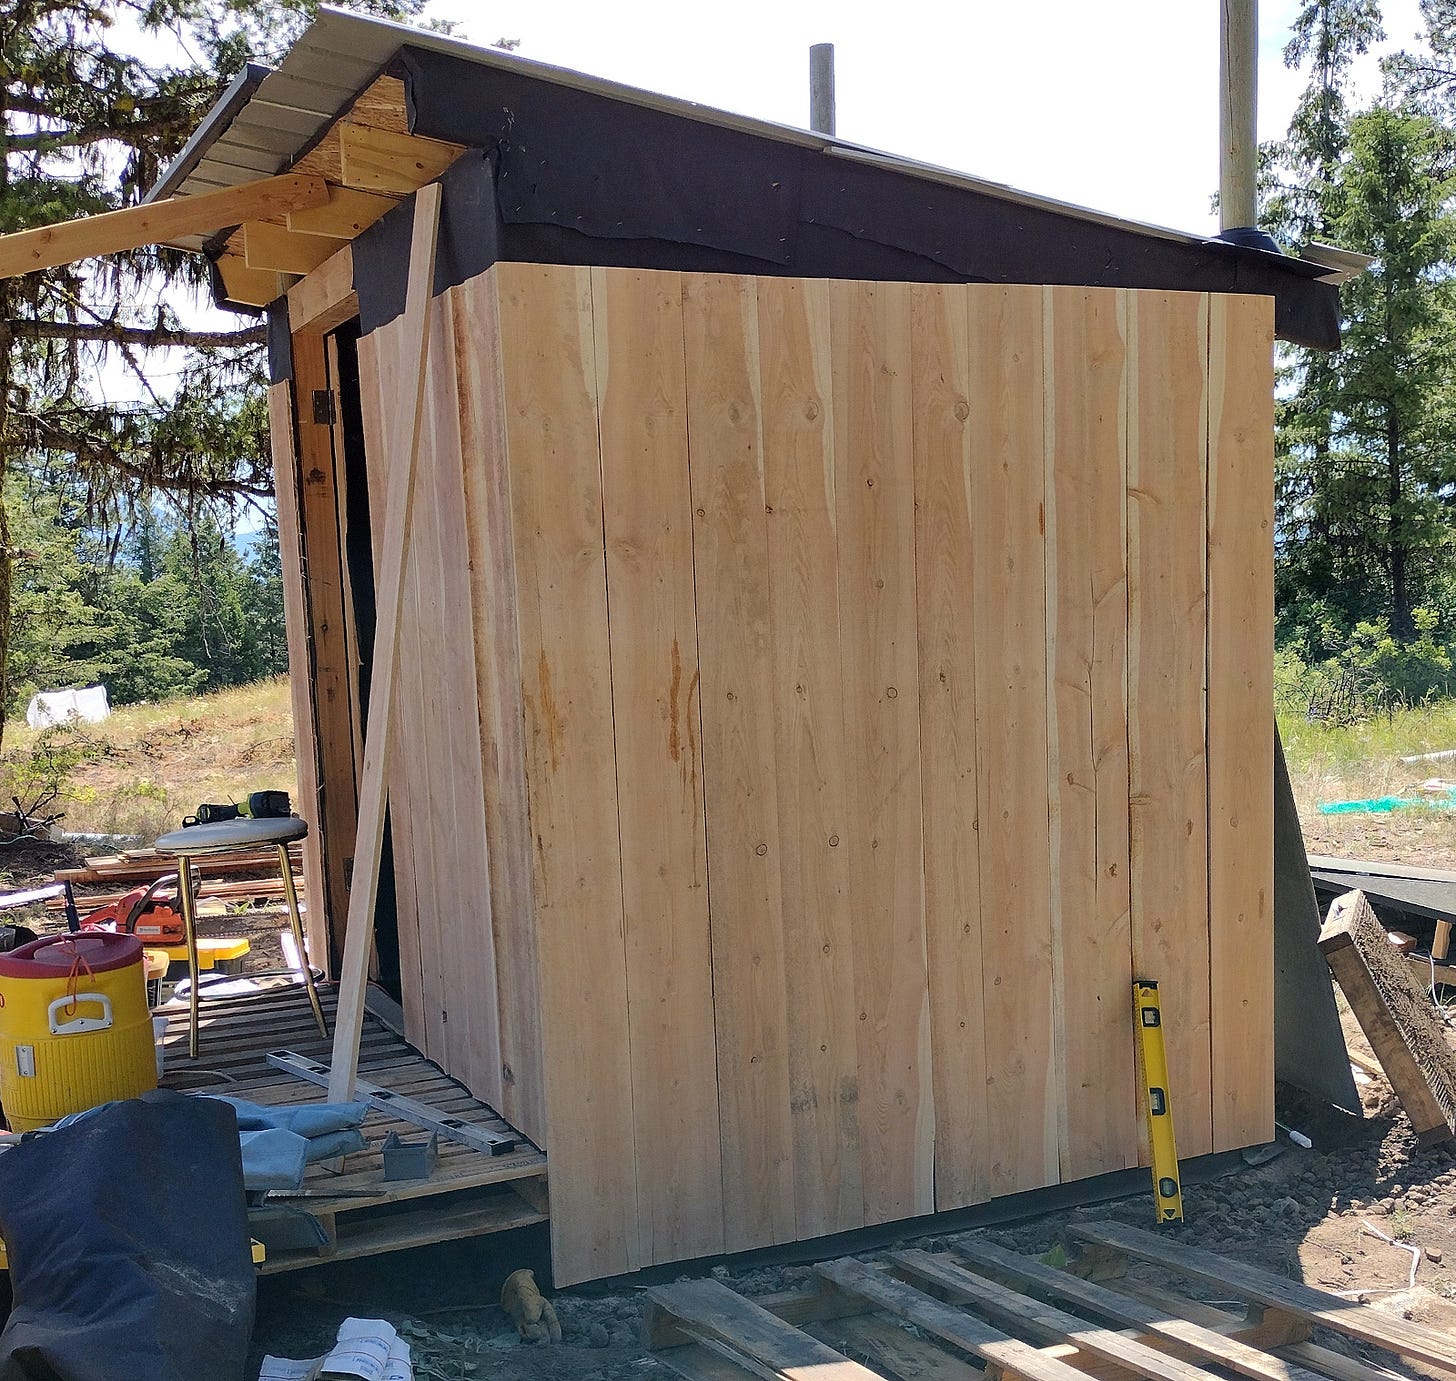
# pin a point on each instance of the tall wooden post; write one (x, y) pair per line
(821, 88)
(1237, 107)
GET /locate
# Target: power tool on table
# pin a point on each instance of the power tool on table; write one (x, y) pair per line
(260, 805)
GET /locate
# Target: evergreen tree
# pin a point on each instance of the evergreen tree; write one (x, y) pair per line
(1365, 435)
(88, 117)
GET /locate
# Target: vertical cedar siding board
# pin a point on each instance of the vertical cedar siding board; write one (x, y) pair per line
(300, 660)
(551, 407)
(1086, 591)
(875, 504)
(731, 568)
(1009, 611)
(945, 538)
(1240, 727)
(1167, 455)
(333, 677)
(810, 749)
(500, 708)
(377, 374)
(637, 323)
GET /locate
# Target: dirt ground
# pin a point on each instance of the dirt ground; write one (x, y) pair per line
(1306, 1214)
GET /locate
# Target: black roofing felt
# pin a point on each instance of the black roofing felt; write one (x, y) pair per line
(571, 176)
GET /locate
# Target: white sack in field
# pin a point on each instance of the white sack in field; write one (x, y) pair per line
(88, 704)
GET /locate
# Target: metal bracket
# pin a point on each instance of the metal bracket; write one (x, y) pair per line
(325, 413)
(397, 1105)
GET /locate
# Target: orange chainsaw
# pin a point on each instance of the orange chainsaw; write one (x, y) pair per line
(153, 914)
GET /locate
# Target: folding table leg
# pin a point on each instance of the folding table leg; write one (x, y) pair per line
(291, 893)
(194, 967)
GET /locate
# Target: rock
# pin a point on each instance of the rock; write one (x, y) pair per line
(596, 1336)
(1433, 1254)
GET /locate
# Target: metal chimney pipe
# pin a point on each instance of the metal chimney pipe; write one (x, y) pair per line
(1237, 110)
(821, 88)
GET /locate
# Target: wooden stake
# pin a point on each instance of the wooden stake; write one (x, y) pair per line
(394, 552)
(1395, 1016)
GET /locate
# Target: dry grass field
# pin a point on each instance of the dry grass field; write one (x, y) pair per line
(142, 770)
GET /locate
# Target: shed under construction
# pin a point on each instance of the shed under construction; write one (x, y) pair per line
(836, 642)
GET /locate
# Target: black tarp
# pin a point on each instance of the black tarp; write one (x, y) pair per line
(127, 1235)
(578, 177)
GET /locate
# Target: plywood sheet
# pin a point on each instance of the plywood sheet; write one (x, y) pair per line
(1240, 725)
(648, 521)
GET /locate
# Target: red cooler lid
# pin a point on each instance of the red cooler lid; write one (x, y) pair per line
(54, 956)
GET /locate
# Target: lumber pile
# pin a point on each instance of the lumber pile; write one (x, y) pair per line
(920, 1313)
(147, 865)
(222, 878)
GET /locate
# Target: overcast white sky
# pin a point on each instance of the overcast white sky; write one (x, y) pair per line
(1108, 103)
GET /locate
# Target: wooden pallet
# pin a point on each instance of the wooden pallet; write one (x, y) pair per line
(980, 1311)
(360, 1212)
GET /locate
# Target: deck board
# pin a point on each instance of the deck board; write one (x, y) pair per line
(236, 1036)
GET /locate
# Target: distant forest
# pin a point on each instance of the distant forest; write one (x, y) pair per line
(170, 605)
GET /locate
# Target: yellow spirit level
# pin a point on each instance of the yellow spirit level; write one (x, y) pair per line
(1148, 1013)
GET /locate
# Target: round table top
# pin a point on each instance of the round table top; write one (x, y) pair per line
(227, 835)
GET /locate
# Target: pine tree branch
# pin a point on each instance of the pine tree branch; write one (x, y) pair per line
(147, 337)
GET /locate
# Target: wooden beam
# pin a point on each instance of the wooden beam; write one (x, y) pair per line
(326, 298)
(156, 223)
(347, 213)
(1395, 1016)
(389, 598)
(273, 247)
(250, 287)
(378, 160)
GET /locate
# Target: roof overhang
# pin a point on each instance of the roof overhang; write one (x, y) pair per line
(354, 73)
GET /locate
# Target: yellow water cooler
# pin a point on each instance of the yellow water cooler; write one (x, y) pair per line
(75, 1028)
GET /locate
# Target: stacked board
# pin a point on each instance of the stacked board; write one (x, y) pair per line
(821, 699)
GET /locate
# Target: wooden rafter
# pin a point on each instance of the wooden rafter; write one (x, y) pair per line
(377, 160)
(250, 287)
(282, 251)
(348, 212)
(50, 246)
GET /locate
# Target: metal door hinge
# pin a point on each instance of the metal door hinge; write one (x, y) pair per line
(324, 411)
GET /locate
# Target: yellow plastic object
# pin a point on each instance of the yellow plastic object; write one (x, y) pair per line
(75, 1028)
(1148, 1014)
(211, 950)
(260, 1252)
